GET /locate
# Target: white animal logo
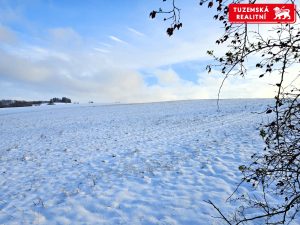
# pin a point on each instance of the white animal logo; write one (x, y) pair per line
(281, 12)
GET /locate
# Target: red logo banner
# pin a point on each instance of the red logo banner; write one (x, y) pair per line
(262, 13)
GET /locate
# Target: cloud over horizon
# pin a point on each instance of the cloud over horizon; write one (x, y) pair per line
(110, 66)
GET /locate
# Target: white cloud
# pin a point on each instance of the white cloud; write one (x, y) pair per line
(65, 34)
(136, 32)
(97, 77)
(101, 50)
(17, 68)
(105, 44)
(7, 35)
(168, 77)
(80, 72)
(114, 38)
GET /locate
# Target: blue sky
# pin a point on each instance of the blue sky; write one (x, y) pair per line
(109, 51)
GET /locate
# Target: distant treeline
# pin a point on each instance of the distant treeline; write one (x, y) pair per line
(17, 103)
(61, 100)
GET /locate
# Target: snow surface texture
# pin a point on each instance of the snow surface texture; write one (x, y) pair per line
(124, 164)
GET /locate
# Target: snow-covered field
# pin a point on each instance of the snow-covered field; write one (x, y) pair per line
(124, 164)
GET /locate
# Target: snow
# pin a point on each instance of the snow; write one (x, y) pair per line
(150, 163)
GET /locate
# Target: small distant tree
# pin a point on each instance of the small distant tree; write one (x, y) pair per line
(66, 100)
(62, 100)
(275, 171)
(51, 102)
